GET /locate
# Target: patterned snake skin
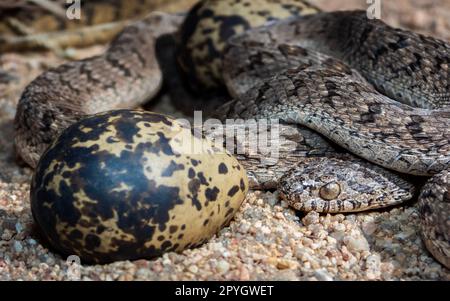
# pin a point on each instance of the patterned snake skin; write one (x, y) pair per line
(289, 70)
(276, 73)
(125, 76)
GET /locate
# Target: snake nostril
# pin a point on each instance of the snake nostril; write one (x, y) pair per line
(330, 191)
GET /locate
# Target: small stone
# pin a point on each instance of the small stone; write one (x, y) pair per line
(351, 218)
(244, 228)
(141, 263)
(317, 231)
(157, 267)
(50, 261)
(283, 264)
(244, 274)
(339, 227)
(373, 267)
(286, 275)
(193, 269)
(6, 235)
(401, 257)
(369, 228)
(19, 227)
(223, 266)
(284, 204)
(279, 215)
(18, 246)
(322, 275)
(143, 273)
(338, 235)
(271, 199)
(265, 230)
(126, 277)
(404, 235)
(166, 261)
(311, 218)
(70, 52)
(357, 244)
(306, 241)
(331, 240)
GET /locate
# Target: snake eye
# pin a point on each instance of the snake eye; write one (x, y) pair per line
(330, 191)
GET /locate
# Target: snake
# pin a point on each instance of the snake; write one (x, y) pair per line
(377, 92)
(380, 93)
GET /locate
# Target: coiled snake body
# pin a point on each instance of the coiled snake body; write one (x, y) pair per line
(324, 71)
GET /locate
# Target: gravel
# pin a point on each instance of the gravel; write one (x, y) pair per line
(266, 240)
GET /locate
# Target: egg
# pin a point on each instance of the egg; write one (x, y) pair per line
(125, 185)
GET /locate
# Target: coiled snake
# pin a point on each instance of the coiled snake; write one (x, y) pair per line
(380, 93)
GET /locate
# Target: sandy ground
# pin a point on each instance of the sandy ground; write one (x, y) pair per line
(266, 240)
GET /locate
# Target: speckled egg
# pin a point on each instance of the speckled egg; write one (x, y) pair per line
(209, 25)
(124, 185)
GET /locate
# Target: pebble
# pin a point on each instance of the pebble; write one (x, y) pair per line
(32, 242)
(7, 235)
(311, 218)
(244, 228)
(143, 273)
(19, 228)
(166, 261)
(287, 264)
(402, 236)
(322, 275)
(369, 228)
(193, 269)
(18, 246)
(271, 199)
(373, 266)
(339, 227)
(286, 275)
(338, 235)
(244, 274)
(223, 266)
(355, 244)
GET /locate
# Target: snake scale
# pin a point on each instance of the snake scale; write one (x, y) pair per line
(378, 92)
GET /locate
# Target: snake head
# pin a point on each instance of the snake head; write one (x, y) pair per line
(338, 185)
